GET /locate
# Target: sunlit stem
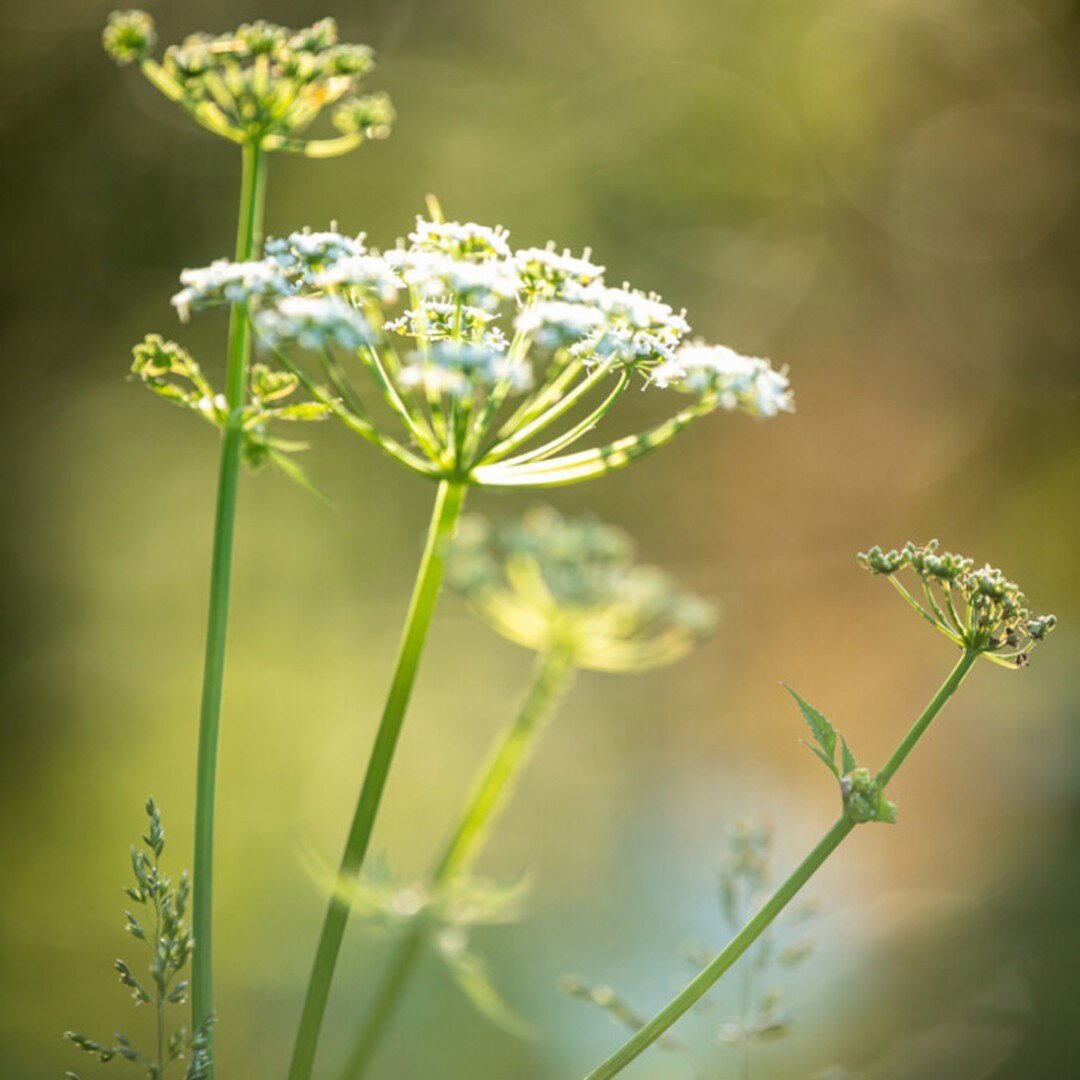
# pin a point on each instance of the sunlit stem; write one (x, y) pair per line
(357, 424)
(315, 148)
(562, 406)
(776, 903)
(492, 790)
(447, 510)
(916, 606)
(550, 391)
(572, 435)
(249, 226)
(416, 426)
(589, 464)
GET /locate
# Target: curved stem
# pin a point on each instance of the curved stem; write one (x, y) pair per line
(252, 192)
(444, 518)
(539, 423)
(776, 903)
(491, 791)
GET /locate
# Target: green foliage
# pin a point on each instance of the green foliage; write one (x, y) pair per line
(863, 793)
(171, 372)
(159, 923)
(826, 738)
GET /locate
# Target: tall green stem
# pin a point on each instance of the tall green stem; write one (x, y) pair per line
(491, 791)
(252, 191)
(444, 518)
(776, 903)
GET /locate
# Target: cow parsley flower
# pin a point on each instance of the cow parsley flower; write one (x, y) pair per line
(977, 608)
(552, 583)
(261, 84)
(548, 273)
(553, 324)
(461, 241)
(312, 251)
(494, 363)
(313, 322)
(745, 383)
(224, 282)
(362, 276)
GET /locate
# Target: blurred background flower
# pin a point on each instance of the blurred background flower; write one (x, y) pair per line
(881, 193)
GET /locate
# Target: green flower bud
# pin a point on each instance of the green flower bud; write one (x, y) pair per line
(348, 60)
(154, 358)
(129, 36)
(261, 37)
(317, 38)
(372, 116)
(864, 798)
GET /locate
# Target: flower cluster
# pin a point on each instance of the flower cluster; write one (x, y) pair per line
(260, 84)
(172, 373)
(742, 382)
(492, 361)
(978, 608)
(547, 583)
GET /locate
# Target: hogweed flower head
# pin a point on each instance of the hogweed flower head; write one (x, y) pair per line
(977, 608)
(260, 84)
(547, 582)
(491, 363)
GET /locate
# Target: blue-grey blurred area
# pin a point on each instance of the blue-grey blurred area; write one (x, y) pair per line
(880, 194)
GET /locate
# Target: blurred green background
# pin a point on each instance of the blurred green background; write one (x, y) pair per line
(880, 193)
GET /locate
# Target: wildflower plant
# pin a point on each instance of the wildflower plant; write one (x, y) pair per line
(260, 84)
(570, 591)
(259, 87)
(472, 365)
(987, 616)
(743, 881)
(159, 923)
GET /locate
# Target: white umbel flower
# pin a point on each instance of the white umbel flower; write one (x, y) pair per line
(462, 240)
(225, 282)
(370, 275)
(314, 322)
(555, 323)
(746, 383)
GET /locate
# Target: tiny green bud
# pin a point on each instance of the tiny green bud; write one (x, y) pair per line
(261, 37)
(864, 798)
(129, 36)
(348, 60)
(372, 116)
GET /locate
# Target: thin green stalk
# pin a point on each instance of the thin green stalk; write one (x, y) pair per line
(776, 903)
(491, 791)
(448, 505)
(252, 193)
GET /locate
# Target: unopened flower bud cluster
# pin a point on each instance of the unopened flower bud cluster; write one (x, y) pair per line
(260, 83)
(977, 607)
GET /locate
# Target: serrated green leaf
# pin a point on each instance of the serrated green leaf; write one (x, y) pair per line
(824, 733)
(847, 758)
(820, 754)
